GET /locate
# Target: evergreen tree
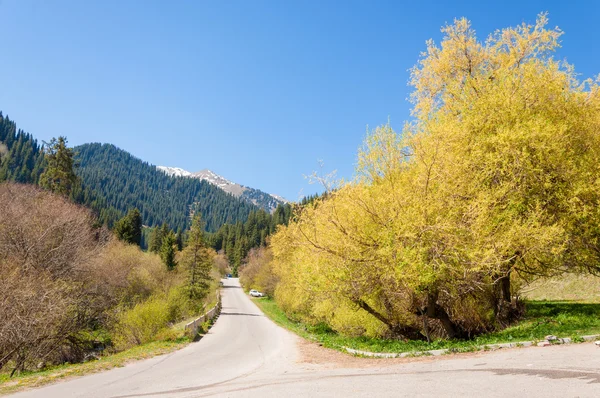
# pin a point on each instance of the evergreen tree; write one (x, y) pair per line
(197, 258)
(59, 176)
(164, 231)
(155, 240)
(21, 158)
(129, 228)
(179, 239)
(157, 237)
(237, 240)
(167, 250)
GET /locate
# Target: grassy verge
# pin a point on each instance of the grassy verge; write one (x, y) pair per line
(56, 373)
(559, 318)
(53, 374)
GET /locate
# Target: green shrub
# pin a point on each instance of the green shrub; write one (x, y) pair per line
(141, 323)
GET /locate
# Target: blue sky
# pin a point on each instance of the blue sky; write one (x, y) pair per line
(257, 91)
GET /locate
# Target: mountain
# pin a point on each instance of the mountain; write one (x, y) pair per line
(113, 178)
(112, 181)
(257, 197)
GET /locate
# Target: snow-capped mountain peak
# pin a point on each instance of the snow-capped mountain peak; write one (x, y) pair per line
(174, 171)
(266, 201)
(213, 178)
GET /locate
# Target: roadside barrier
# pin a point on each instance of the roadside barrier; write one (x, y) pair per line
(192, 327)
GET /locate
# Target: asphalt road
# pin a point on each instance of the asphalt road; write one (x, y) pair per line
(245, 354)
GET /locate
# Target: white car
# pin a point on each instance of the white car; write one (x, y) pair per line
(255, 293)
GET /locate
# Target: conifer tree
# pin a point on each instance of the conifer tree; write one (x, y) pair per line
(157, 236)
(179, 239)
(129, 228)
(59, 176)
(167, 250)
(155, 241)
(198, 259)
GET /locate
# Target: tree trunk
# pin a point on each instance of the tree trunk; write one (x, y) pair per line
(505, 310)
(399, 331)
(436, 311)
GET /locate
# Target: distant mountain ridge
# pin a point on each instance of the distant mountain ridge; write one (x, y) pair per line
(264, 200)
(115, 179)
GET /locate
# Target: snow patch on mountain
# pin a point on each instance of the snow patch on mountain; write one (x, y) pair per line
(221, 182)
(280, 198)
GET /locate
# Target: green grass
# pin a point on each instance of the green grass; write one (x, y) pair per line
(559, 318)
(56, 373)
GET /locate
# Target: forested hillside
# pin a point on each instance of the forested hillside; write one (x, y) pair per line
(112, 181)
(260, 198)
(254, 196)
(21, 158)
(115, 179)
(236, 240)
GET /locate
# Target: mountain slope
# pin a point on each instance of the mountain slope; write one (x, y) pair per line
(21, 157)
(113, 178)
(257, 197)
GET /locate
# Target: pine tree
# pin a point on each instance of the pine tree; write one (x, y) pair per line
(155, 240)
(157, 237)
(167, 250)
(129, 228)
(59, 176)
(179, 239)
(197, 258)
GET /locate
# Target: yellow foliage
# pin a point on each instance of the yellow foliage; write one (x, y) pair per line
(140, 324)
(495, 176)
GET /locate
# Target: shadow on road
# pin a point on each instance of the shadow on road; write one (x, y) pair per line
(239, 314)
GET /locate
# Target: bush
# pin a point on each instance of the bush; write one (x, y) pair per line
(141, 323)
(47, 293)
(257, 271)
(62, 280)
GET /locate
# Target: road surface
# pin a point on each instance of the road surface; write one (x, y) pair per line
(245, 355)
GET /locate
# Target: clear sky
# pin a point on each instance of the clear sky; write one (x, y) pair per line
(257, 91)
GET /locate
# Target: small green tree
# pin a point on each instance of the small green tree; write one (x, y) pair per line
(179, 239)
(129, 228)
(59, 176)
(157, 236)
(168, 249)
(198, 259)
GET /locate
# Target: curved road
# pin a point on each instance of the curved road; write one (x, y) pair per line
(245, 354)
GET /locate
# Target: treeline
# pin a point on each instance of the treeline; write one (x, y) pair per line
(233, 241)
(493, 183)
(236, 240)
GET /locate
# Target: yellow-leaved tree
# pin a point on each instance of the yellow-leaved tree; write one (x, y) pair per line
(520, 143)
(494, 180)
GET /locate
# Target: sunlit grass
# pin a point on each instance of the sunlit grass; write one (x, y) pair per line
(572, 287)
(559, 318)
